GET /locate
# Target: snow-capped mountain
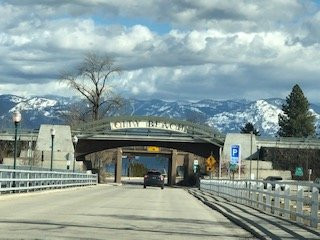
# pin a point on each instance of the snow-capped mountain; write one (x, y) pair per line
(263, 114)
(34, 110)
(225, 116)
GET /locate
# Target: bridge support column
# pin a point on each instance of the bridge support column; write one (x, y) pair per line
(188, 162)
(173, 168)
(118, 166)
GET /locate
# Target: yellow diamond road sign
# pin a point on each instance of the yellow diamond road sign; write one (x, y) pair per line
(210, 161)
(153, 149)
(210, 164)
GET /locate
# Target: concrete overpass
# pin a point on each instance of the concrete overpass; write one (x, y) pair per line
(119, 132)
(25, 135)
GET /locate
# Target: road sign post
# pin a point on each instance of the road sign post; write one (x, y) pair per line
(309, 173)
(235, 157)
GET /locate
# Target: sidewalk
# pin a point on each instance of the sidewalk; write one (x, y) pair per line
(260, 224)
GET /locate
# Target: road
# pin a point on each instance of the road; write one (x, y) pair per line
(112, 212)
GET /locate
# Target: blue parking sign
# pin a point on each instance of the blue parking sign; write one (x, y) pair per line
(235, 154)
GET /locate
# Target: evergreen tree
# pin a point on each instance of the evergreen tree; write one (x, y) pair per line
(296, 120)
(248, 128)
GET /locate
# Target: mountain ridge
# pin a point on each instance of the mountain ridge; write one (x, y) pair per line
(223, 115)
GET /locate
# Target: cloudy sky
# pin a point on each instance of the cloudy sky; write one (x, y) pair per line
(168, 49)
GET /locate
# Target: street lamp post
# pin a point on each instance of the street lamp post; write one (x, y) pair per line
(75, 141)
(53, 133)
(16, 118)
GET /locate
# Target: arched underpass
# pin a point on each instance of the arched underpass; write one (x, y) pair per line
(119, 132)
(136, 161)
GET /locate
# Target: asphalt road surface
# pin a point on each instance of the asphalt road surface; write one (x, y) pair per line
(112, 212)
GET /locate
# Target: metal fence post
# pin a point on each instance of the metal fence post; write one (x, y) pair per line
(277, 200)
(253, 199)
(28, 182)
(11, 182)
(287, 201)
(314, 207)
(260, 195)
(268, 198)
(237, 192)
(243, 193)
(299, 204)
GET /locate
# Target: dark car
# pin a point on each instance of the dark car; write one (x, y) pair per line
(153, 178)
(272, 180)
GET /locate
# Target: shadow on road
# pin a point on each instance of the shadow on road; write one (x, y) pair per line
(54, 226)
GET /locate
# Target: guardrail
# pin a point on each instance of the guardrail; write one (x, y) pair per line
(295, 201)
(14, 181)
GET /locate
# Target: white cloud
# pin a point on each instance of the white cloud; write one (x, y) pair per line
(36, 89)
(213, 49)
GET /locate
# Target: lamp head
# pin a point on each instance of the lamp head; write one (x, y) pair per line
(75, 139)
(52, 131)
(16, 116)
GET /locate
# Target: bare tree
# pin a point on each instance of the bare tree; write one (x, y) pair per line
(77, 113)
(100, 159)
(91, 79)
(37, 158)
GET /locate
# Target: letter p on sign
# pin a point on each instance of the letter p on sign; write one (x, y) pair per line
(234, 152)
